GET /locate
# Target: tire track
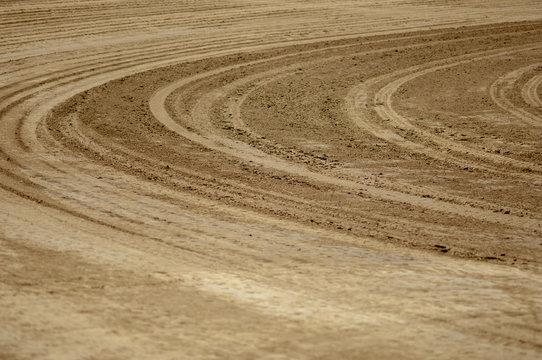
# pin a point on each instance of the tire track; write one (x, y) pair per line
(207, 137)
(95, 242)
(530, 91)
(30, 131)
(504, 84)
(357, 98)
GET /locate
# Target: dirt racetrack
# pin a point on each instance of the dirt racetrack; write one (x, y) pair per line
(270, 179)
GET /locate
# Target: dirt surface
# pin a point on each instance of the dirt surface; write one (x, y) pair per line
(270, 179)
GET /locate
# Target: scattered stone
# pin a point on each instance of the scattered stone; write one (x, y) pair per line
(491, 258)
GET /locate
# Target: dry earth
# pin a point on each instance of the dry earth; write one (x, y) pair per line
(270, 179)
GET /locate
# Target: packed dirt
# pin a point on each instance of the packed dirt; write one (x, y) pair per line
(270, 179)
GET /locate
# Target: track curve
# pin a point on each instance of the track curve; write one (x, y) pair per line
(251, 179)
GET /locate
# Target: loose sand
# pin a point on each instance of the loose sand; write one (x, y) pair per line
(270, 179)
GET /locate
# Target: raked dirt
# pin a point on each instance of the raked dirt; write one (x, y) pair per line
(270, 179)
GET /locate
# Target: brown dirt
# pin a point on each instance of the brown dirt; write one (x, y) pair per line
(270, 179)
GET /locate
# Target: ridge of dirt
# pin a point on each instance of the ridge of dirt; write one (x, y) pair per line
(270, 179)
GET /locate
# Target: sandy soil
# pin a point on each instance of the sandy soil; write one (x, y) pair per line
(270, 179)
